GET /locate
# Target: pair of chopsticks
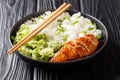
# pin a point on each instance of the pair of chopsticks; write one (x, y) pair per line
(40, 27)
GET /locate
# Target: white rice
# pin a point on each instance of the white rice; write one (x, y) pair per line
(72, 31)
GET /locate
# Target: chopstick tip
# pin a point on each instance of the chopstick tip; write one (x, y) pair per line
(9, 52)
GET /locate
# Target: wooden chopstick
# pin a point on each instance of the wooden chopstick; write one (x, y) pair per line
(37, 26)
(40, 27)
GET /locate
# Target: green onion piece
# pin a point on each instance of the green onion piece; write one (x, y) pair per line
(66, 17)
(59, 20)
(65, 37)
(90, 22)
(99, 36)
(40, 17)
(78, 16)
(61, 28)
(90, 28)
(84, 31)
(74, 22)
(57, 32)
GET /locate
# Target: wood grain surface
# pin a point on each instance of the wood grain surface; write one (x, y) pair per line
(105, 66)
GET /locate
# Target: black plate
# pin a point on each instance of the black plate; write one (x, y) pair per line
(62, 64)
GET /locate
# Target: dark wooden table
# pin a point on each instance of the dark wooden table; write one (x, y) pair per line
(105, 67)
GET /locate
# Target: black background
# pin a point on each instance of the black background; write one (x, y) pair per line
(106, 66)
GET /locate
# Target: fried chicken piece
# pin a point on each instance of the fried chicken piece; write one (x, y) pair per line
(77, 48)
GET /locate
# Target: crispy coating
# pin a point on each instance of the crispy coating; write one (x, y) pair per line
(77, 48)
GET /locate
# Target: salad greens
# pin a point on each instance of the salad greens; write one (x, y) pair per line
(39, 48)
